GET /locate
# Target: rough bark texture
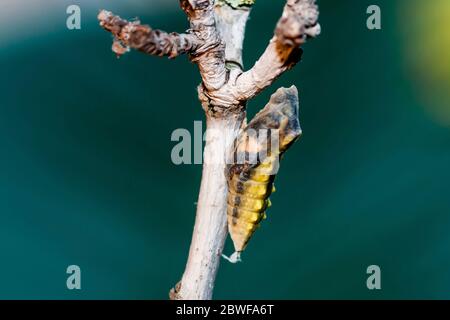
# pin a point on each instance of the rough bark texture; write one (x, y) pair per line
(145, 39)
(214, 42)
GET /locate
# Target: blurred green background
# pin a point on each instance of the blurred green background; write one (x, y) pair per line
(86, 176)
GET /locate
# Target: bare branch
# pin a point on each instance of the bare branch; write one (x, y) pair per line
(214, 42)
(231, 23)
(298, 22)
(145, 39)
(202, 42)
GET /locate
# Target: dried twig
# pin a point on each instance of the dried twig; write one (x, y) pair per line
(145, 39)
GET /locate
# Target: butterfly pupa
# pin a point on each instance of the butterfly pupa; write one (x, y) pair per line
(256, 157)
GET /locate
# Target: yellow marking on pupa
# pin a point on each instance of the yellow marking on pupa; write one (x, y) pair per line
(251, 184)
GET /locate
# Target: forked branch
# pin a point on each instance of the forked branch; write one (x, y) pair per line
(296, 25)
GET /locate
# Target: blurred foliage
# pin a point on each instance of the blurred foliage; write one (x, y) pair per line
(426, 27)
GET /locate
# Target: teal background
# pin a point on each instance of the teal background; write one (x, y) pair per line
(86, 176)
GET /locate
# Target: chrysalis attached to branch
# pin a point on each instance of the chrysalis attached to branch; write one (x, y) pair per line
(258, 150)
